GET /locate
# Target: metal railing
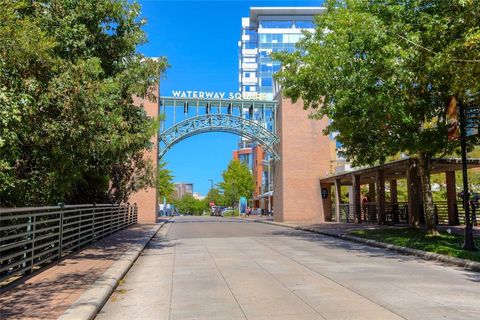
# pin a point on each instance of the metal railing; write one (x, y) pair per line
(397, 213)
(34, 237)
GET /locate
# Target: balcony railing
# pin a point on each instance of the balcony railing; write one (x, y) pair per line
(34, 237)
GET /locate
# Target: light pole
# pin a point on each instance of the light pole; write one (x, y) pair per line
(211, 185)
(268, 163)
(469, 243)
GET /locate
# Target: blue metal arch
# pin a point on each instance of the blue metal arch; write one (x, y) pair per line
(216, 123)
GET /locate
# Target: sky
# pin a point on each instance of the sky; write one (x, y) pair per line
(200, 39)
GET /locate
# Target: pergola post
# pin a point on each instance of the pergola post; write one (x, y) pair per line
(393, 191)
(357, 206)
(338, 198)
(371, 192)
(394, 201)
(326, 190)
(451, 198)
(381, 196)
(414, 194)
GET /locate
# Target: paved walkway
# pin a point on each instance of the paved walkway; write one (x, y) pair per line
(48, 294)
(213, 268)
(337, 229)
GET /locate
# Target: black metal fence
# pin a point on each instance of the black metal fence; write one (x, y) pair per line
(397, 213)
(33, 237)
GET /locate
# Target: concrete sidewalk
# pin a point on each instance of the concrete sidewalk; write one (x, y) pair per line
(48, 294)
(338, 229)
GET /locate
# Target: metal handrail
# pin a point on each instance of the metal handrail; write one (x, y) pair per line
(31, 238)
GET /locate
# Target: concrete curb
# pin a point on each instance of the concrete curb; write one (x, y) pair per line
(467, 264)
(92, 300)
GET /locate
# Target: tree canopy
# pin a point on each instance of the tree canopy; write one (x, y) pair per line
(69, 130)
(165, 185)
(237, 182)
(216, 196)
(383, 72)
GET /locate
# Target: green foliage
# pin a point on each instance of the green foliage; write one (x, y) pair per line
(189, 205)
(443, 243)
(69, 130)
(237, 182)
(165, 186)
(216, 196)
(383, 71)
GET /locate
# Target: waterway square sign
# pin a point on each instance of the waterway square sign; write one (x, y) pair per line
(217, 95)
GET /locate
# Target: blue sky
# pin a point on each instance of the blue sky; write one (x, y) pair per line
(199, 38)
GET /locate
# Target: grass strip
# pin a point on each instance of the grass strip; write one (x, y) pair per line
(444, 243)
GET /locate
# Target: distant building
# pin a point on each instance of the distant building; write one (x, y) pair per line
(266, 30)
(182, 189)
(198, 196)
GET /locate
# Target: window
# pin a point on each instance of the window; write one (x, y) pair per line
(266, 82)
(304, 24)
(250, 45)
(247, 75)
(276, 24)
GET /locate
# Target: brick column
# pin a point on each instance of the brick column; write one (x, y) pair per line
(338, 198)
(451, 198)
(304, 159)
(381, 196)
(414, 194)
(357, 204)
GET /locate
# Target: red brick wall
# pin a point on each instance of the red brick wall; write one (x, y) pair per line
(146, 200)
(305, 158)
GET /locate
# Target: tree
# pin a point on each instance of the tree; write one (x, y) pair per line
(165, 186)
(216, 196)
(188, 204)
(69, 130)
(237, 182)
(383, 71)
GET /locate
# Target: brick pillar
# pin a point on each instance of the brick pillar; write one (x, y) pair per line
(381, 196)
(357, 203)
(451, 198)
(146, 199)
(414, 194)
(338, 198)
(304, 159)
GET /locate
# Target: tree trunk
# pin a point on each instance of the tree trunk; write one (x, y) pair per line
(425, 166)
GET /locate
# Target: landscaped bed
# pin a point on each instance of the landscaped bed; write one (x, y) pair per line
(445, 243)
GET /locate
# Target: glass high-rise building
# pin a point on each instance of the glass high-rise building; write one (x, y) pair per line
(267, 30)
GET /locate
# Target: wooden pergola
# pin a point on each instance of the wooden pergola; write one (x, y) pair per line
(376, 176)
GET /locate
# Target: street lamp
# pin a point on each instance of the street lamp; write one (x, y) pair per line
(268, 163)
(469, 243)
(211, 186)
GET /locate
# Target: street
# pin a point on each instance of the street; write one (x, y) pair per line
(219, 268)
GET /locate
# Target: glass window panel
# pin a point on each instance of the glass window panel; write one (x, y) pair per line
(250, 45)
(276, 24)
(266, 82)
(304, 24)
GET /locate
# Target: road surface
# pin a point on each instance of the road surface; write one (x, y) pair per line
(219, 268)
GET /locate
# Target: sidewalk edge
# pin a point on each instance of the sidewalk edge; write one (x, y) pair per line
(467, 264)
(92, 300)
